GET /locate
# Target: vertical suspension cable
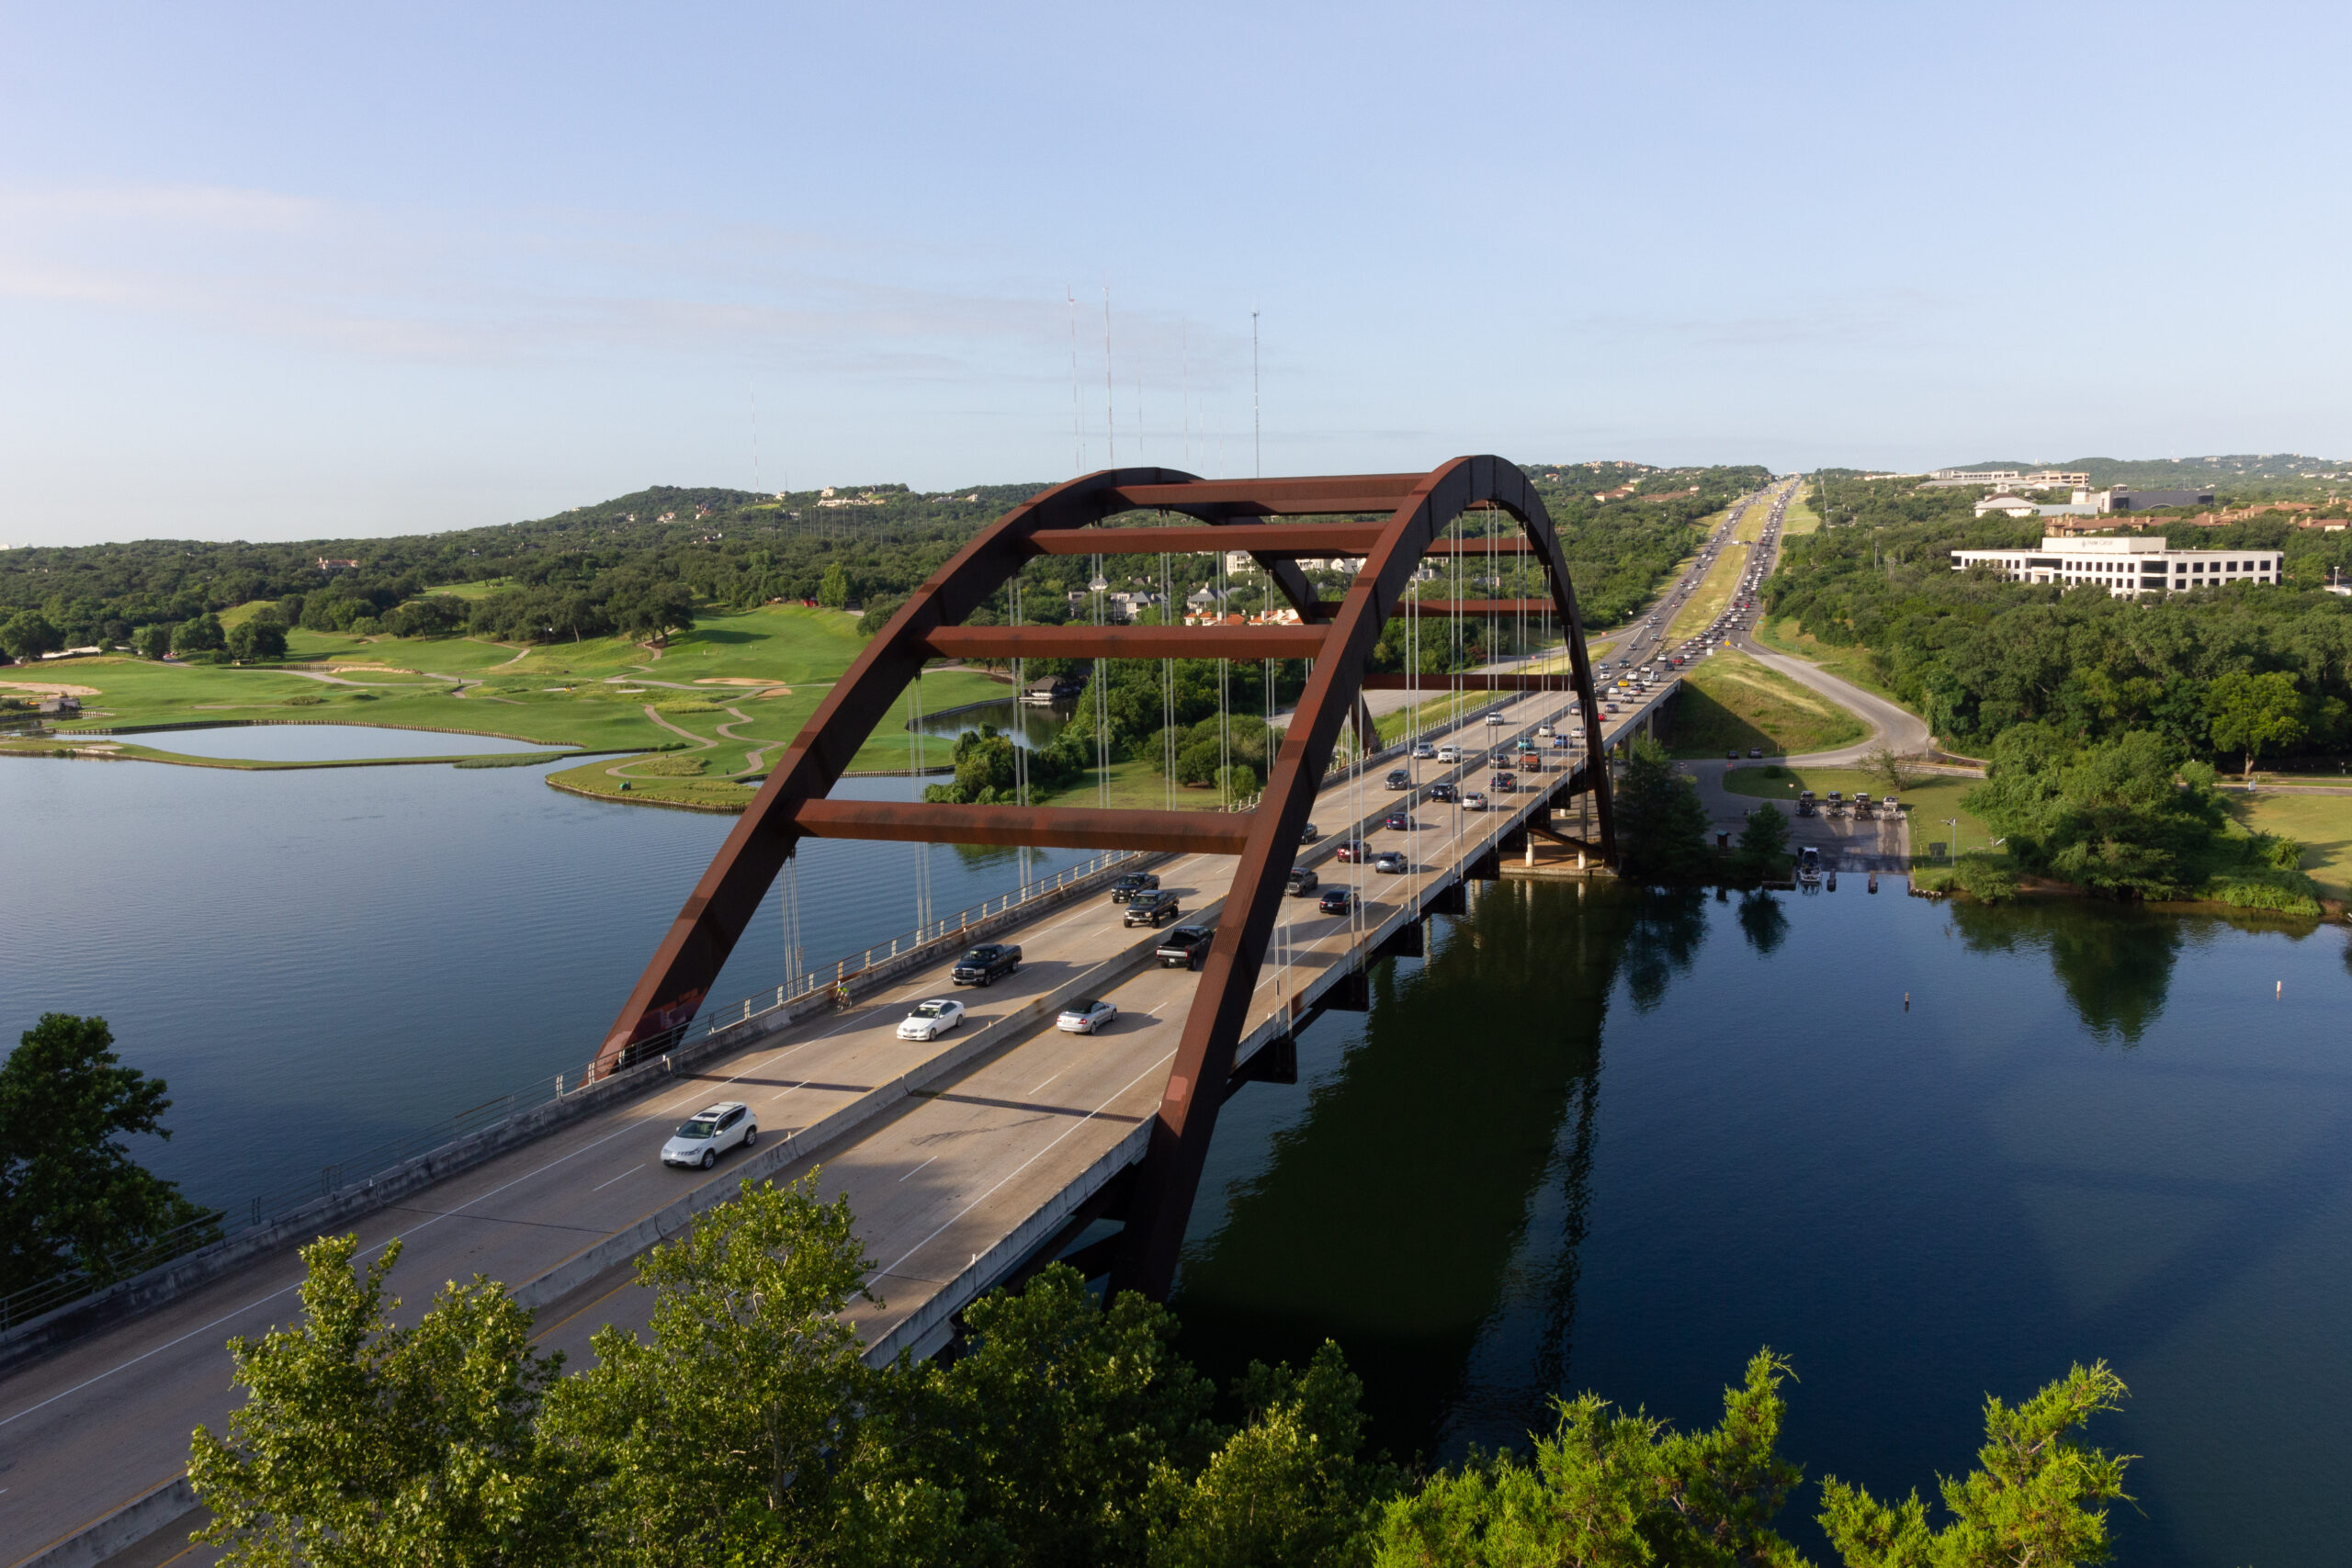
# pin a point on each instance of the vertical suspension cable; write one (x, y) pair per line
(1224, 702)
(1101, 665)
(1167, 697)
(1019, 752)
(922, 851)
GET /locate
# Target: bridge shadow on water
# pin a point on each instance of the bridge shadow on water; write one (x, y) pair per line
(1437, 1179)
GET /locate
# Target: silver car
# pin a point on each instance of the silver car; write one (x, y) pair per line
(710, 1133)
(1085, 1016)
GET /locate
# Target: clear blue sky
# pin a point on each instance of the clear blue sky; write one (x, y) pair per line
(275, 272)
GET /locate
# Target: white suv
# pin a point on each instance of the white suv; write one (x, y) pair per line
(710, 1133)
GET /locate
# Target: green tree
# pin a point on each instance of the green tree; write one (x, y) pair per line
(361, 1443)
(70, 1196)
(2128, 817)
(1049, 1432)
(1661, 827)
(2038, 1497)
(2255, 714)
(201, 636)
(153, 641)
(834, 591)
(28, 634)
(1614, 1488)
(1287, 1487)
(261, 638)
(721, 1435)
(1764, 842)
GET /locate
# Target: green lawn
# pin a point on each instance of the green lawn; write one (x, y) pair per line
(2322, 823)
(1847, 663)
(1729, 702)
(1714, 591)
(757, 674)
(1801, 518)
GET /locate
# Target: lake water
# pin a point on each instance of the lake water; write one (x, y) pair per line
(1596, 1140)
(325, 743)
(1025, 725)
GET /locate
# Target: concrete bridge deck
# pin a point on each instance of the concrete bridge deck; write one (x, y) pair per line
(960, 1158)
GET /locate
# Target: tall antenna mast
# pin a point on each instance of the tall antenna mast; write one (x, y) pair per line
(1077, 420)
(1257, 436)
(1184, 382)
(1110, 417)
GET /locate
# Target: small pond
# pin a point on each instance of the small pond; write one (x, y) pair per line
(325, 743)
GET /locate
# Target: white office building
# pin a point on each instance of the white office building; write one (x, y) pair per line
(2124, 565)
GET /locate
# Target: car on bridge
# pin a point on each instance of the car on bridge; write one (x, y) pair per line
(1133, 883)
(709, 1132)
(1087, 1015)
(1443, 791)
(1503, 783)
(1309, 833)
(1449, 752)
(1424, 750)
(1352, 850)
(930, 1019)
(1336, 901)
(986, 964)
(1184, 947)
(1496, 719)
(1474, 801)
(1397, 822)
(1399, 779)
(1392, 862)
(1153, 909)
(1300, 882)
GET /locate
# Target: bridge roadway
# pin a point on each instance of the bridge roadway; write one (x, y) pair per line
(952, 1185)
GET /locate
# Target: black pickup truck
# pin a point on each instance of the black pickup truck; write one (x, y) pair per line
(986, 964)
(1133, 883)
(1184, 947)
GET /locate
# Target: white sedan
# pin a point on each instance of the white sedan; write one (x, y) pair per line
(708, 1134)
(932, 1018)
(1086, 1015)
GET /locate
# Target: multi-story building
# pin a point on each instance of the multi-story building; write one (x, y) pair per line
(2124, 565)
(2008, 479)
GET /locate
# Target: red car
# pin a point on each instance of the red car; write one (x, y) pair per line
(1353, 851)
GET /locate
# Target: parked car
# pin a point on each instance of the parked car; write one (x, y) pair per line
(1336, 901)
(1086, 1016)
(1756, 751)
(930, 1019)
(1397, 822)
(1125, 887)
(1352, 850)
(1474, 801)
(710, 1133)
(1733, 754)
(1300, 882)
(986, 964)
(1399, 779)
(1390, 861)
(1184, 947)
(1154, 909)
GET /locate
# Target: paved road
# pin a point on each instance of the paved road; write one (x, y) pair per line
(937, 1180)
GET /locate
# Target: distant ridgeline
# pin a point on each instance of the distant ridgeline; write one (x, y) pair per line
(644, 564)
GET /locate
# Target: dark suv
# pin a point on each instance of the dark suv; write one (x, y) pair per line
(1151, 908)
(1400, 779)
(1133, 883)
(1184, 947)
(986, 964)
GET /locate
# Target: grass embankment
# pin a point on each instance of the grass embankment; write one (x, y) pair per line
(731, 693)
(1715, 590)
(2320, 823)
(1847, 663)
(1729, 702)
(1801, 517)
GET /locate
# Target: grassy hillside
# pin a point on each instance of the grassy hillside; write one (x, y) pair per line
(1729, 702)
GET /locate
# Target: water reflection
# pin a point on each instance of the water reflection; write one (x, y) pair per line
(2115, 965)
(1763, 922)
(1442, 1173)
(1018, 722)
(1669, 926)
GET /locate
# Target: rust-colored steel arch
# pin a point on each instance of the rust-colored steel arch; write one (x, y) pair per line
(1337, 636)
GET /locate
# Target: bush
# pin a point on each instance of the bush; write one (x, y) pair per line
(671, 767)
(1984, 877)
(2264, 887)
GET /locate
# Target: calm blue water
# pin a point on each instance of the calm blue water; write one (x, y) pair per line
(326, 743)
(1618, 1143)
(320, 962)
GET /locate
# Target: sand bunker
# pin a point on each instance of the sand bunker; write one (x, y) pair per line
(50, 688)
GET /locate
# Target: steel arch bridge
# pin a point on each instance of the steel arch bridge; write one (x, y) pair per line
(1336, 635)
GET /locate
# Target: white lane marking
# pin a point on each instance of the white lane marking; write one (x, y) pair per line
(1025, 1164)
(285, 1290)
(632, 1171)
(1041, 1086)
(918, 1167)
